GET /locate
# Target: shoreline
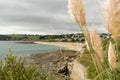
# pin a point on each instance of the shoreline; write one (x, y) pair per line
(61, 60)
(68, 45)
(25, 42)
(54, 61)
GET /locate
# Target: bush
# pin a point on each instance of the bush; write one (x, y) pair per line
(12, 68)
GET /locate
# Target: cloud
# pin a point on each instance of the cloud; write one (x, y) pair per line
(41, 16)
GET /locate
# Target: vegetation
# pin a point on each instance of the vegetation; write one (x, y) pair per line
(104, 63)
(101, 57)
(87, 61)
(13, 68)
(79, 37)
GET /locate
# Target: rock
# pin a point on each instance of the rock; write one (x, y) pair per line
(66, 58)
(71, 59)
(70, 66)
(64, 70)
(56, 62)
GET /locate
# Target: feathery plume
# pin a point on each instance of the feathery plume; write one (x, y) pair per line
(111, 56)
(77, 11)
(97, 43)
(112, 14)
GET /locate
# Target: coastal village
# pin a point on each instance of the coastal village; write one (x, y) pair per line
(78, 37)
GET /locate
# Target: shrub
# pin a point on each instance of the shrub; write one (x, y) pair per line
(13, 68)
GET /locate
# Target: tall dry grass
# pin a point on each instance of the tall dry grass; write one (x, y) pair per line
(97, 43)
(111, 56)
(112, 21)
(77, 12)
(112, 17)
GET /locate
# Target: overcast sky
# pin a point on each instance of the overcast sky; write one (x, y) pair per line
(44, 16)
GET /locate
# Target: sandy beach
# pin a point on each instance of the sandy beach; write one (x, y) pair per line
(68, 45)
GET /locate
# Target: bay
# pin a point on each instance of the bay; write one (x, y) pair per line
(23, 49)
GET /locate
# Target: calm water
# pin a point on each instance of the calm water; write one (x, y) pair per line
(23, 49)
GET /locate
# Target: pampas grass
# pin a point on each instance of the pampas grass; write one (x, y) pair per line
(77, 12)
(112, 14)
(94, 42)
(111, 56)
(97, 47)
(97, 43)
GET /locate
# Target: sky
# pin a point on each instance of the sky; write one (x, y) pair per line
(45, 17)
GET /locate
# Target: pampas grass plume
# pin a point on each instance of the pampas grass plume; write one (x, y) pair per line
(112, 14)
(97, 43)
(111, 56)
(76, 10)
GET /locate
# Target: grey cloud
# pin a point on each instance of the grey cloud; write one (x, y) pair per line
(43, 16)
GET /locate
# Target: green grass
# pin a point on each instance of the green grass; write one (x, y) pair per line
(107, 74)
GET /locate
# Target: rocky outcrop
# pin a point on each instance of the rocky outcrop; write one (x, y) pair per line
(64, 70)
(56, 62)
(62, 64)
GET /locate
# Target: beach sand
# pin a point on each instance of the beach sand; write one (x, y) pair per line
(68, 45)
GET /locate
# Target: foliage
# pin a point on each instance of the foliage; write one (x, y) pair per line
(105, 60)
(79, 37)
(92, 73)
(13, 68)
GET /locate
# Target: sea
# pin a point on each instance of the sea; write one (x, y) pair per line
(23, 49)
